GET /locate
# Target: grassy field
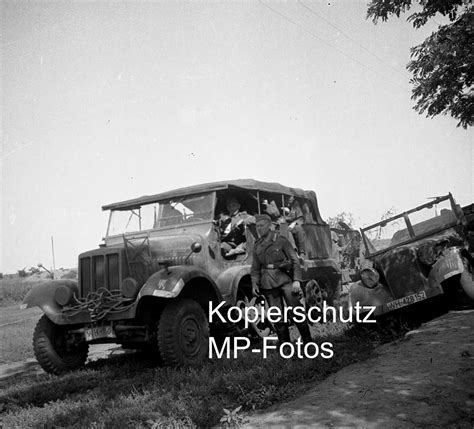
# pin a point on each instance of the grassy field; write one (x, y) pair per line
(13, 290)
(16, 325)
(16, 333)
(132, 391)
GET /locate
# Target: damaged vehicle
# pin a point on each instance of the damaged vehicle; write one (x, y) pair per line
(149, 284)
(415, 257)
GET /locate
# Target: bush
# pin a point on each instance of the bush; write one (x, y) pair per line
(22, 273)
(14, 290)
(71, 274)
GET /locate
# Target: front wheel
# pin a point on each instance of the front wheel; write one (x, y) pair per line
(55, 350)
(183, 333)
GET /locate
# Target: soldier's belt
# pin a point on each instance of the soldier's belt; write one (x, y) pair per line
(271, 267)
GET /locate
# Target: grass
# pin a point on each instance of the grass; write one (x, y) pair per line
(16, 333)
(130, 391)
(16, 325)
(13, 290)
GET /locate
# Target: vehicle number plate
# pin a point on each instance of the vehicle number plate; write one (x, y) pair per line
(99, 332)
(406, 300)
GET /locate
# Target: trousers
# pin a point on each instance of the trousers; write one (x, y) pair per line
(278, 297)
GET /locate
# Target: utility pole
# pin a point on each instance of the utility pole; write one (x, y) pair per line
(52, 249)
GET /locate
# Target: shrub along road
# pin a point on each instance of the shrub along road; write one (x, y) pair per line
(425, 379)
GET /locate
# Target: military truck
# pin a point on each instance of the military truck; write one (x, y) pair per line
(417, 259)
(150, 282)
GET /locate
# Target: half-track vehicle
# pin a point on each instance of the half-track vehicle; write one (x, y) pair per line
(150, 282)
(417, 257)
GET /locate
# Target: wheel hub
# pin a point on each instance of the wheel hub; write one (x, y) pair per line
(190, 334)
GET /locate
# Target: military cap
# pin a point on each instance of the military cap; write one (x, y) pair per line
(263, 217)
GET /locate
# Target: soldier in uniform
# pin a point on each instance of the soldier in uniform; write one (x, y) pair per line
(296, 218)
(232, 228)
(276, 274)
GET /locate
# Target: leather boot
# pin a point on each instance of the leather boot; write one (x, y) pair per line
(282, 332)
(305, 333)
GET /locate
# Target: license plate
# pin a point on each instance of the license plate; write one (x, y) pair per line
(99, 332)
(406, 300)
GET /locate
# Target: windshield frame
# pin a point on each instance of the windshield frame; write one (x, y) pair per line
(133, 210)
(370, 250)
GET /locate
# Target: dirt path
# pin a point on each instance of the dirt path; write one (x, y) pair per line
(425, 380)
(30, 367)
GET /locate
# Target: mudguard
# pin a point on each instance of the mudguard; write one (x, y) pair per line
(448, 265)
(228, 282)
(168, 283)
(42, 296)
(376, 297)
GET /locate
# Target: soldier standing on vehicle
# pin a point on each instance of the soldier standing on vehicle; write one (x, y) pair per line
(296, 218)
(276, 273)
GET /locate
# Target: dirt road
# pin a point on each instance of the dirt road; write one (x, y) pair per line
(30, 367)
(425, 380)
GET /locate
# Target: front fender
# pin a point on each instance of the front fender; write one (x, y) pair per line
(228, 282)
(448, 265)
(168, 283)
(42, 296)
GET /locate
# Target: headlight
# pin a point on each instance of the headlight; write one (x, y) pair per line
(369, 277)
(63, 295)
(427, 254)
(129, 287)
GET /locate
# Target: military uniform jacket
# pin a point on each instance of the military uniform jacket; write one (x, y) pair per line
(233, 231)
(269, 253)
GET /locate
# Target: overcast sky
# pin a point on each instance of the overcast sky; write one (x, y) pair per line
(103, 102)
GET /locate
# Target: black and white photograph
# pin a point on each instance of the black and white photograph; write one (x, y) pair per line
(236, 214)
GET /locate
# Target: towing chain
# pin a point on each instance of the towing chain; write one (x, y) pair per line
(99, 304)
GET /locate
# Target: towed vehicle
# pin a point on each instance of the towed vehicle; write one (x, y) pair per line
(149, 284)
(416, 257)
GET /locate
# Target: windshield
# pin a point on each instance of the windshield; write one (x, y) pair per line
(162, 214)
(424, 221)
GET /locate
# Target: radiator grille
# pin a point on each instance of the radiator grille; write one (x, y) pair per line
(113, 271)
(98, 277)
(86, 278)
(100, 271)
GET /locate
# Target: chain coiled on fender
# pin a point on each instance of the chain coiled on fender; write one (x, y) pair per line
(99, 304)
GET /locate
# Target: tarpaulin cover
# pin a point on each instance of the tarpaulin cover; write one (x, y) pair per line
(246, 184)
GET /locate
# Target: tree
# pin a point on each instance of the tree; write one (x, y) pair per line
(443, 65)
(387, 214)
(344, 217)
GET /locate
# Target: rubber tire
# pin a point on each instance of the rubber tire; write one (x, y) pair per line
(46, 339)
(181, 317)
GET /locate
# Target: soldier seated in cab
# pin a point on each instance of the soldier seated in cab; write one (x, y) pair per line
(232, 228)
